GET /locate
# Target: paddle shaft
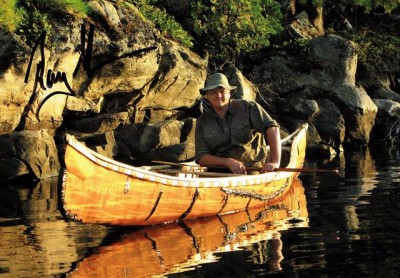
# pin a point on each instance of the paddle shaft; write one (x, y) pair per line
(300, 170)
(198, 173)
(306, 170)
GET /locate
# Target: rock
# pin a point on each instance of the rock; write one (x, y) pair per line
(386, 93)
(303, 109)
(338, 59)
(142, 143)
(359, 112)
(82, 106)
(389, 107)
(104, 143)
(245, 89)
(97, 124)
(301, 27)
(330, 124)
(134, 96)
(316, 149)
(177, 83)
(108, 13)
(13, 94)
(387, 124)
(307, 107)
(28, 152)
(12, 168)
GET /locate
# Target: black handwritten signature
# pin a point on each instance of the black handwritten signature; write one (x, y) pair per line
(85, 59)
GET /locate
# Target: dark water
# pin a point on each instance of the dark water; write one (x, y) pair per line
(352, 230)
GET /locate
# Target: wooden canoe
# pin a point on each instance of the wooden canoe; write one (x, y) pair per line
(180, 246)
(97, 189)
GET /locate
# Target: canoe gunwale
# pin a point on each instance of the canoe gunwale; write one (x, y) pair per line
(220, 182)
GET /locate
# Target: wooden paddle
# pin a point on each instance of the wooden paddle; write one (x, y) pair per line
(300, 170)
(307, 170)
(198, 173)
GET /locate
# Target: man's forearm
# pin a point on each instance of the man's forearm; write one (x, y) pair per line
(212, 160)
(274, 142)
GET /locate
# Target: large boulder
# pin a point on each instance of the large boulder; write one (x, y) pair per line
(337, 61)
(330, 124)
(169, 140)
(302, 27)
(14, 93)
(245, 89)
(359, 113)
(387, 125)
(176, 85)
(31, 153)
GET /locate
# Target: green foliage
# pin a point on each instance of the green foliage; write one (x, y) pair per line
(387, 5)
(229, 28)
(299, 47)
(10, 15)
(79, 6)
(32, 25)
(30, 17)
(225, 29)
(376, 46)
(164, 22)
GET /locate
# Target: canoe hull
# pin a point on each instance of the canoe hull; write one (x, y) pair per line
(176, 247)
(96, 189)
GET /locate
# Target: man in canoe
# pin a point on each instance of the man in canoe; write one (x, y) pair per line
(231, 134)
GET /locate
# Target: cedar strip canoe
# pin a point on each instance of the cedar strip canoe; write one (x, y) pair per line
(180, 246)
(97, 189)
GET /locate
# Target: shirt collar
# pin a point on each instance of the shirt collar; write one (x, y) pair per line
(231, 110)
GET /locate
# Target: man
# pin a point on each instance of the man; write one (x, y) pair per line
(231, 134)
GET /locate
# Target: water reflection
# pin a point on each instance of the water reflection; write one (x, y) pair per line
(178, 247)
(353, 231)
(35, 241)
(353, 220)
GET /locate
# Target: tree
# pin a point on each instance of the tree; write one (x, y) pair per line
(228, 28)
(10, 15)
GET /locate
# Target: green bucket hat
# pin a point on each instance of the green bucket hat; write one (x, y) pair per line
(214, 81)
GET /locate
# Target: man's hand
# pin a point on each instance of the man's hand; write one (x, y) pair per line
(235, 166)
(269, 167)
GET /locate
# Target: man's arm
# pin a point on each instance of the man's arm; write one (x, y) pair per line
(234, 165)
(274, 142)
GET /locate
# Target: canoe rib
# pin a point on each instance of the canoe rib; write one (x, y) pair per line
(97, 189)
(186, 213)
(155, 205)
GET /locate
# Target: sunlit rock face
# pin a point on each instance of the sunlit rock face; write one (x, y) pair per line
(116, 83)
(123, 72)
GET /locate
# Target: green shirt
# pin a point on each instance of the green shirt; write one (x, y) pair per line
(240, 135)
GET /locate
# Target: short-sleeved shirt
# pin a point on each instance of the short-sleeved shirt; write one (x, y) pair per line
(240, 135)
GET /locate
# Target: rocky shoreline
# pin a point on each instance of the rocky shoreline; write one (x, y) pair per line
(133, 95)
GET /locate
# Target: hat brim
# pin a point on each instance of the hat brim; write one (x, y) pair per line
(204, 90)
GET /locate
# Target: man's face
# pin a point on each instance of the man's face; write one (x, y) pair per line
(218, 97)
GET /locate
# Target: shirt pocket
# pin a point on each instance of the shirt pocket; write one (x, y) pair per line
(213, 140)
(241, 133)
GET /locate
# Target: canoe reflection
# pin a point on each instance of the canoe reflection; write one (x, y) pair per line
(176, 247)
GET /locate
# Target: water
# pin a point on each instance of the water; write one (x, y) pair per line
(330, 226)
